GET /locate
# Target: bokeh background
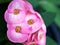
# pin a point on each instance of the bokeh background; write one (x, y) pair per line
(50, 12)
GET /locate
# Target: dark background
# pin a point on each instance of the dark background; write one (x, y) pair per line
(50, 12)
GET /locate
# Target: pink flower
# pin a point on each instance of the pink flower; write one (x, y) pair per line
(24, 24)
(12, 18)
(19, 4)
(34, 22)
(25, 5)
(41, 37)
(17, 33)
(14, 13)
(31, 26)
(38, 38)
(15, 37)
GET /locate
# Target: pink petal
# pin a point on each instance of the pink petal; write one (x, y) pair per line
(16, 4)
(6, 16)
(11, 18)
(28, 6)
(36, 26)
(30, 43)
(31, 16)
(39, 16)
(43, 40)
(33, 37)
(16, 37)
(24, 26)
(37, 23)
(30, 38)
(44, 28)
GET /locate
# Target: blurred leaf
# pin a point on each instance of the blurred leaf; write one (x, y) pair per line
(34, 2)
(57, 19)
(48, 17)
(54, 1)
(10, 43)
(48, 6)
(3, 27)
(18, 44)
(2, 37)
(50, 41)
(4, 1)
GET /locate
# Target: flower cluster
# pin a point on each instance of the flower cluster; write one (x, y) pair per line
(24, 25)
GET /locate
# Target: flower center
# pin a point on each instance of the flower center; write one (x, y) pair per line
(16, 11)
(18, 29)
(30, 21)
(40, 36)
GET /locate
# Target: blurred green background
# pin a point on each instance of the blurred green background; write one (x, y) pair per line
(50, 12)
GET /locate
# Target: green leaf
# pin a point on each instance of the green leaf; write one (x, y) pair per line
(10, 43)
(2, 37)
(54, 1)
(57, 19)
(50, 41)
(48, 17)
(18, 44)
(48, 6)
(3, 27)
(4, 1)
(34, 2)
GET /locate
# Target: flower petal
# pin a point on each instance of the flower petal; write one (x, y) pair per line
(16, 5)
(44, 28)
(29, 6)
(11, 18)
(31, 16)
(36, 26)
(15, 37)
(24, 27)
(42, 37)
(30, 43)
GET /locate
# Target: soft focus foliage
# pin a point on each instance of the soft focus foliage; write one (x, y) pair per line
(49, 10)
